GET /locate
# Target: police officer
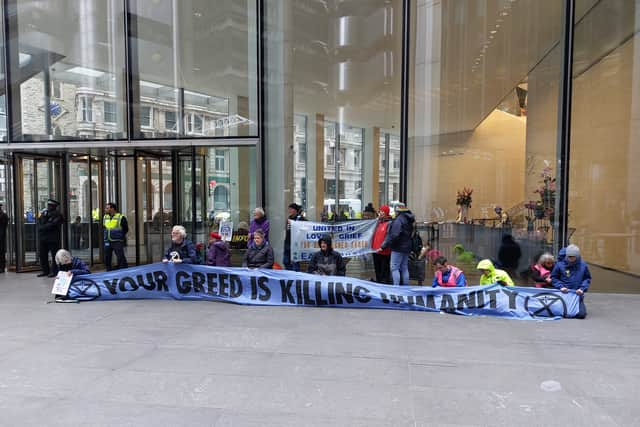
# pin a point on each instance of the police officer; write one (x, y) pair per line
(49, 227)
(115, 232)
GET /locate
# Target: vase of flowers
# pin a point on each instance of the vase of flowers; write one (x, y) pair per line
(547, 192)
(463, 199)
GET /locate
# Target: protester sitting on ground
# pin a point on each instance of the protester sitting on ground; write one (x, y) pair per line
(491, 275)
(327, 261)
(71, 265)
(259, 254)
(218, 253)
(447, 276)
(259, 222)
(572, 273)
(181, 249)
(541, 270)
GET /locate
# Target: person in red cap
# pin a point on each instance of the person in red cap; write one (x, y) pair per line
(218, 253)
(382, 257)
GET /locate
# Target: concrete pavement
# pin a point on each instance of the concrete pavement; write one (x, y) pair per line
(159, 362)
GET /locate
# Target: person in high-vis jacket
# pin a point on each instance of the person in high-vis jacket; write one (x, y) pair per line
(115, 233)
(491, 275)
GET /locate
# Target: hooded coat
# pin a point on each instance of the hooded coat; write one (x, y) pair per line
(495, 275)
(218, 254)
(399, 232)
(569, 275)
(327, 263)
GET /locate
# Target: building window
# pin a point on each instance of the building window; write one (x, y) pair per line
(170, 121)
(56, 89)
(145, 116)
(330, 154)
(343, 155)
(220, 160)
(330, 187)
(194, 123)
(86, 109)
(110, 115)
(396, 162)
(302, 152)
(357, 158)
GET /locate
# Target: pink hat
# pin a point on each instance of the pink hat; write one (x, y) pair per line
(215, 235)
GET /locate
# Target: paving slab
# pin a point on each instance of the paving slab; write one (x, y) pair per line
(159, 362)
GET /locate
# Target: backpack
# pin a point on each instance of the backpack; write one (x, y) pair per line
(416, 242)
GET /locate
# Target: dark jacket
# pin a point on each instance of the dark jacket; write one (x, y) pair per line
(287, 236)
(4, 222)
(49, 225)
(570, 275)
(399, 233)
(327, 263)
(186, 251)
(509, 253)
(258, 256)
(218, 254)
(77, 267)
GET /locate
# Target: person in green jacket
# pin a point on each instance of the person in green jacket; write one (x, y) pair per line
(491, 275)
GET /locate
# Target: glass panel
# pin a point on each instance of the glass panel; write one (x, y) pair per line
(3, 99)
(68, 63)
(604, 208)
(197, 60)
(231, 193)
(97, 203)
(467, 58)
(334, 82)
(81, 187)
(126, 202)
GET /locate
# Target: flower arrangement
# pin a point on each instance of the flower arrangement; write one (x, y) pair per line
(464, 197)
(544, 208)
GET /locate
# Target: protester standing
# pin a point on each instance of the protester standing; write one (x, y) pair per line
(295, 214)
(115, 234)
(259, 222)
(49, 228)
(382, 257)
(399, 241)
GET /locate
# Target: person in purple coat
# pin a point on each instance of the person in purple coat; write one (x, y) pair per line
(218, 253)
(259, 222)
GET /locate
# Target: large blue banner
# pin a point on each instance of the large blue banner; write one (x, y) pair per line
(287, 288)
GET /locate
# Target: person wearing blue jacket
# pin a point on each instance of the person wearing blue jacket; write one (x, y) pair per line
(399, 241)
(181, 249)
(70, 265)
(572, 273)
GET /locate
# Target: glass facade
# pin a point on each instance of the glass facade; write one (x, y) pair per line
(196, 112)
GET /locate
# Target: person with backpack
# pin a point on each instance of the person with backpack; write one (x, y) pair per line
(399, 241)
(382, 257)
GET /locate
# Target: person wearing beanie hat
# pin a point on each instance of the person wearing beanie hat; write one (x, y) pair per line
(571, 273)
(382, 257)
(295, 214)
(327, 262)
(398, 239)
(218, 253)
